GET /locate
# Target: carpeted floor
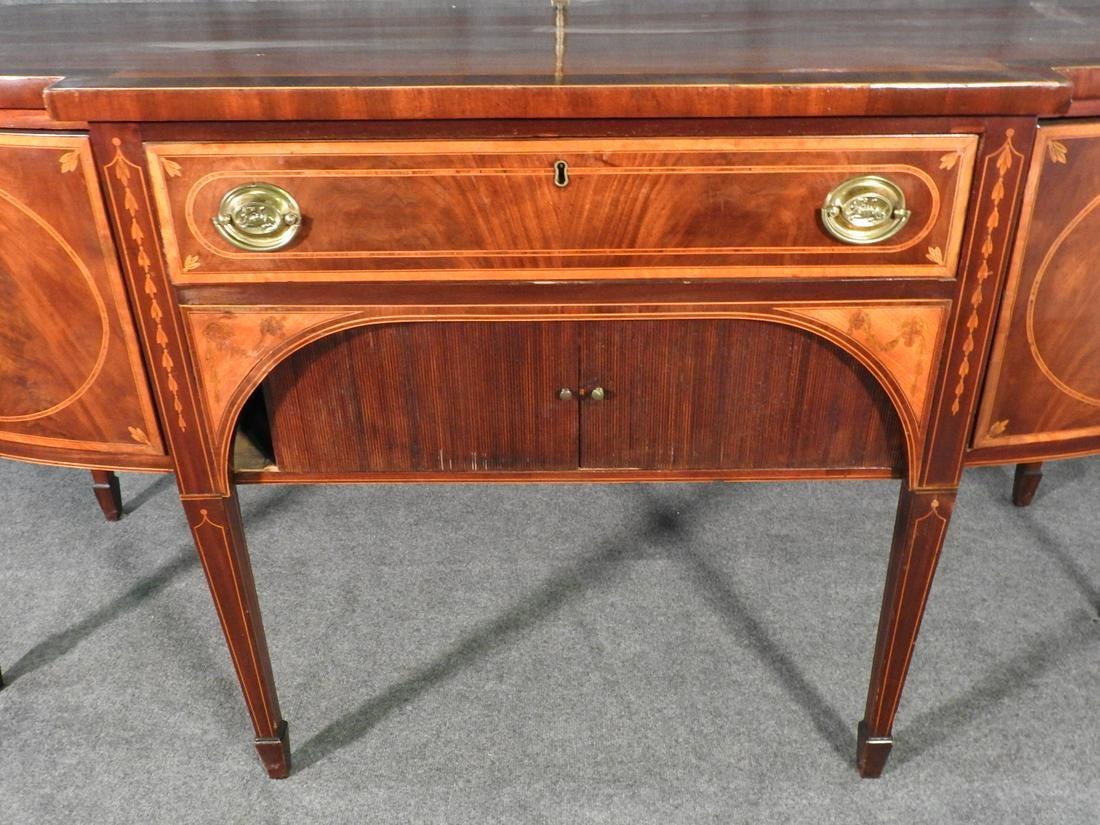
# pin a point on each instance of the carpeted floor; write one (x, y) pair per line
(549, 654)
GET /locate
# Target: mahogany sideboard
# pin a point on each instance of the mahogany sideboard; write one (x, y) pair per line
(623, 241)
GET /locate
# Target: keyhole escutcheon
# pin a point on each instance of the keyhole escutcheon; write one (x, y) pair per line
(561, 174)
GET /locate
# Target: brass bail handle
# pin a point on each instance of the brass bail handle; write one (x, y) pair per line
(258, 217)
(865, 210)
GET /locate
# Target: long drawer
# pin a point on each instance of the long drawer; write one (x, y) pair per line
(577, 208)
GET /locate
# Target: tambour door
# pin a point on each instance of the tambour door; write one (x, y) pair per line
(652, 395)
(453, 397)
(1042, 393)
(72, 384)
(729, 394)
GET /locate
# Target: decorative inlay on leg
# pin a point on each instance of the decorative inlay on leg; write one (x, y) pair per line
(918, 538)
(122, 170)
(1004, 159)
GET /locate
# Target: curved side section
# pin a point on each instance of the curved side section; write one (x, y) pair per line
(85, 459)
(100, 307)
(225, 398)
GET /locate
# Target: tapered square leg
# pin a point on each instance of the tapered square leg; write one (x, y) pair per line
(219, 537)
(918, 538)
(871, 752)
(107, 493)
(275, 753)
(1026, 483)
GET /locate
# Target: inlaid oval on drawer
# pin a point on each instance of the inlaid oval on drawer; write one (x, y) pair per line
(665, 207)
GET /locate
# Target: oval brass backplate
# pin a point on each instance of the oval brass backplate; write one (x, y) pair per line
(258, 217)
(864, 210)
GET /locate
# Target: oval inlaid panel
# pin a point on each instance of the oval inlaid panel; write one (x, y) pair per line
(1063, 310)
(53, 321)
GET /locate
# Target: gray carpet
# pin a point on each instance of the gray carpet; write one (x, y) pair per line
(549, 654)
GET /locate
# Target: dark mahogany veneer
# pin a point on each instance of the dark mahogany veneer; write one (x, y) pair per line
(531, 252)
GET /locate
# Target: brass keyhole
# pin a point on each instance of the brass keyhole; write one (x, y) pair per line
(561, 174)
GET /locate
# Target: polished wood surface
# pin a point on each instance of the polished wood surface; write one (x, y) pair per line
(1026, 483)
(212, 510)
(919, 532)
(1000, 174)
(234, 347)
(71, 374)
(219, 538)
(440, 397)
(443, 290)
(512, 40)
(663, 207)
(1044, 380)
(680, 395)
(684, 395)
(467, 59)
(108, 493)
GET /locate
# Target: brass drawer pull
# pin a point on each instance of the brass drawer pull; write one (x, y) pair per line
(864, 210)
(258, 217)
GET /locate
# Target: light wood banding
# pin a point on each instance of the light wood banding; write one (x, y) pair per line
(490, 209)
(1043, 386)
(71, 375)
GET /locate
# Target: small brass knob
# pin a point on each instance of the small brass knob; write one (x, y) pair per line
(597, 394)
(864, 210)
(565, 394)
(258, 217)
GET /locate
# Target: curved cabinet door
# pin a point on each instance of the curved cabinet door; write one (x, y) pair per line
(1042, 394)
(72, 384)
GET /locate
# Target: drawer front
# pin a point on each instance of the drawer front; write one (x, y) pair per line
(1044, 376)
(707, 207)
(72, 385)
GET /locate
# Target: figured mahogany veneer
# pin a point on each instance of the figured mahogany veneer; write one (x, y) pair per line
(443, 291)
(72, 381)
(1043, 391)
(236, 347)
(492, 209)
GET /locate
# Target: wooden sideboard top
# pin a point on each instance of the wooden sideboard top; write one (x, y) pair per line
(384, 59)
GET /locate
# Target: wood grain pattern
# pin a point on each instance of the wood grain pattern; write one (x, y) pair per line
(428, 397)
(219, 538)
(227, 345)
(617, 58)
(214, 518)
(663, 207)
(1044, 382)
(682, 270)
(1006, 144)
(37, 119)
(118, 155)
(732, 394)
(71, 375)
(240, 340)
(904, 338)
(919, 532)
